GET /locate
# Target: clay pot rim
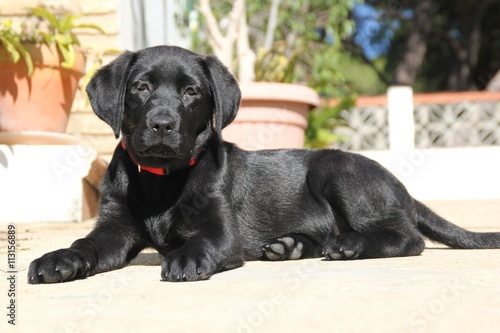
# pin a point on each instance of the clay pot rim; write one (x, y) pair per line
(37, 138)
(274, 91)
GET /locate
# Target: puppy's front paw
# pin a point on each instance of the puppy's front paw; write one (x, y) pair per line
(187, 265)
(58, 266)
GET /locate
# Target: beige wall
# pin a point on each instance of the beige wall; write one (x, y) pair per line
(83, 122)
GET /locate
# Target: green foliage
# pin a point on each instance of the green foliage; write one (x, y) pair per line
(273, 66)
(13, 44)
(322, 121)
(361, 77)
(309, 34)
(307, 49)
(58, 30)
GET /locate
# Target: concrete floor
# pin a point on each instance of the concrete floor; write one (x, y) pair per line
(442, 290)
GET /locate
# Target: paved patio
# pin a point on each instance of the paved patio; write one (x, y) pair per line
(442, 290)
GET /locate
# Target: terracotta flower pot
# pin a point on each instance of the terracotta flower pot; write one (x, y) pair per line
(43, 101)
(271, 116)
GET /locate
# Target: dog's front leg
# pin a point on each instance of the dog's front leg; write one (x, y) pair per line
(114, 241)
(216, 246)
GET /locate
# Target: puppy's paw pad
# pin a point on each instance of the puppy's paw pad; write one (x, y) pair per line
(341, 254)
(297, 251)
(283, 248)
(288, 241)
(277, 248)
(349, 254)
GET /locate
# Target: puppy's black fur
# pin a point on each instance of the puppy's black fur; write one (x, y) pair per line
(231, 205)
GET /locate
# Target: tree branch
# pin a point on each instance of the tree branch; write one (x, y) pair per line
(246, 57)
(215, 36)
(271, 24)
(237, 13)
(223, 46)
(416, 44)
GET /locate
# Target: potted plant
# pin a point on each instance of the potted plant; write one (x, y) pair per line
(274, 110)
(41, 64)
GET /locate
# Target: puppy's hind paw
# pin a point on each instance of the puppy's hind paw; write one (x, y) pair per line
(283, 248)
(343, 247)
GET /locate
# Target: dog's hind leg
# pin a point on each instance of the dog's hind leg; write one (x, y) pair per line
(381, 243)
(291, 247)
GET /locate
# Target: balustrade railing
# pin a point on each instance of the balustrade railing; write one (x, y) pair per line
(467, 119)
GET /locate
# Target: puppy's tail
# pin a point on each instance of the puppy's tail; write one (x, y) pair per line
(438, 229)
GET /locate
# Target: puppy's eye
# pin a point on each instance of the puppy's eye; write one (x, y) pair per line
(190, 92)
(143, 87)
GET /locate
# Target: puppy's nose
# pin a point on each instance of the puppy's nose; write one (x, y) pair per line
(162, 126)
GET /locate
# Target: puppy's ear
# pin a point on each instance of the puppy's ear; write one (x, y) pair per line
(226, 94)
(106, 91)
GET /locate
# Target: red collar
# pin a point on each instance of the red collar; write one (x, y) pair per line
(156, 171)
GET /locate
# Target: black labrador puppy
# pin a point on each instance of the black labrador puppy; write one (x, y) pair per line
(206, 205)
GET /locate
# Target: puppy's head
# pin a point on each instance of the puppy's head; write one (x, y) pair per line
(166, 100)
